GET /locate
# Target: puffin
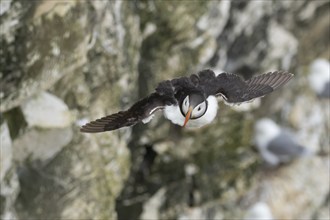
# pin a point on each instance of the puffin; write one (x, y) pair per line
(192, 101)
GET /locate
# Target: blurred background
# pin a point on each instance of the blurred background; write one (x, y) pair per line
(66, 62)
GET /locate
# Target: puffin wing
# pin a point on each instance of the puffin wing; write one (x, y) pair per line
(141, 110)
(236, 90)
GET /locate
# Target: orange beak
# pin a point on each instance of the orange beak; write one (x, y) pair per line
(187, 116)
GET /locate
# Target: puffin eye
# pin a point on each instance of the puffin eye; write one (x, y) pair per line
(199, 111)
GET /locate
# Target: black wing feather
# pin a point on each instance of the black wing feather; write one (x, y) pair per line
(139, 111)
(236, 90)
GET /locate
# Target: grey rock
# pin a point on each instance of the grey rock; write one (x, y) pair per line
(4, 6)
(6, 150)
(275, 189)
(46, 55)
(86, 55)
(40, 144)
(215, 20)
(259, 211)
(82, 181)
(45, 110)
(311, 121)
(9, 185)
(283, 46)
(152, 206)
(319, 77)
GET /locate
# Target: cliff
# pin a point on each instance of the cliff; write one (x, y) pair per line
(64, 63)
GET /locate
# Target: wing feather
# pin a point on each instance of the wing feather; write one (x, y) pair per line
(236, 90)
(139, 111)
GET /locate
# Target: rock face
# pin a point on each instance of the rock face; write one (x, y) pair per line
(67, 62)
(46, 111)
(8, 177)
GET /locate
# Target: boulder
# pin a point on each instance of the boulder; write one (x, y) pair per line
(45, 111)
(40, 144)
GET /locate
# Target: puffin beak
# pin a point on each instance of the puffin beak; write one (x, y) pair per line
(187, 116)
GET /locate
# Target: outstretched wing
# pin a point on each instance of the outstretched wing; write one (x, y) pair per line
(236, 90)
(141, 110)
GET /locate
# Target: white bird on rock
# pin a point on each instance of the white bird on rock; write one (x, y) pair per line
(276, 145)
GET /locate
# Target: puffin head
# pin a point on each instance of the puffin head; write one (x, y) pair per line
(193, 106)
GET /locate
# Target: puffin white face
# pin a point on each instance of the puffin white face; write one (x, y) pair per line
(178, 114)
(193, 107)
(196, 112)
(199, 110)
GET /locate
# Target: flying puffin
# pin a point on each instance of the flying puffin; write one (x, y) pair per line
(191, 101)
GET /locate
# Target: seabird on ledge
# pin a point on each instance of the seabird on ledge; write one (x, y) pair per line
(191, 101)
(276, 145)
